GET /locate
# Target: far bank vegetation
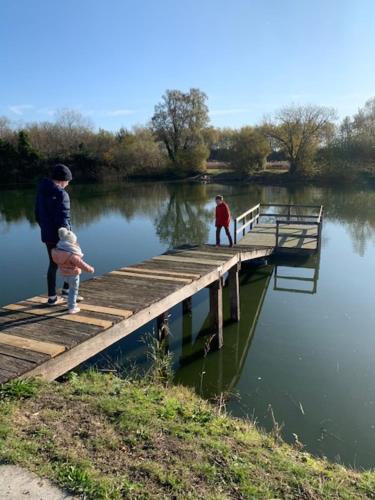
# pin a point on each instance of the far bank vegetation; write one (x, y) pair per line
(178, 141)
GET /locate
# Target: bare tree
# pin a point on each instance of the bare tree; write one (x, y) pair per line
(72, 119)
(72, 129)
(5, 127)
(299, 131)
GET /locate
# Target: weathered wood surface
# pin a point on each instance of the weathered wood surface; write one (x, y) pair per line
(36, 340)
(292, 237)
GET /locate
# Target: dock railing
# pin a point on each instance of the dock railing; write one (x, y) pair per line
(287, 214)
(297, 219)
(246, 220)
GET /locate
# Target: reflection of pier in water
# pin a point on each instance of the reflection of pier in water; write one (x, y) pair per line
(298, 280)
(213, 374)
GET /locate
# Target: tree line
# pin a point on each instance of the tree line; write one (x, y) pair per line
(179, 140)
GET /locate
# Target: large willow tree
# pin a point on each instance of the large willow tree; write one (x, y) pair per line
(299, 131)
(179, 121)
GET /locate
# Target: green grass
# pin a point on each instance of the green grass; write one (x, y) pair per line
(106, 438)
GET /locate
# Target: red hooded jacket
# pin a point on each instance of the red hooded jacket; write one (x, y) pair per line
(222, 215)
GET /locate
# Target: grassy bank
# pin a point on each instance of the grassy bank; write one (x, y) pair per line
(104, 437)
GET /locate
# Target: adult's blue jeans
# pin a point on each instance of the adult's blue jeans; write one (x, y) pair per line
(51, 273)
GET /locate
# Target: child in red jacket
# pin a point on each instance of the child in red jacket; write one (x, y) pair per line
(222, 216)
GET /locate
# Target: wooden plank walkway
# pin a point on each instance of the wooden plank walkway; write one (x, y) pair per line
(37, 340)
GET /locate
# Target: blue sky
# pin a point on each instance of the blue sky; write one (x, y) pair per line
(113, 59)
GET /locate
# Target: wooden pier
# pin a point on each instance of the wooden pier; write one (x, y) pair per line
(37, 340)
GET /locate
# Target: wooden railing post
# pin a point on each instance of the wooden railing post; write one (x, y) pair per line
(216, 314)
(234, 292)
(162, 325)
(187, 306)
(277, 234)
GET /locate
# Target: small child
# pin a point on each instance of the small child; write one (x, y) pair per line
(68, 256)
(222, 216)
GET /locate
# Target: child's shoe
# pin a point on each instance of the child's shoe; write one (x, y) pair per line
(55, 301)
(75, 310)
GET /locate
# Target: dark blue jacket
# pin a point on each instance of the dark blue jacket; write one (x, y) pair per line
(52, 210)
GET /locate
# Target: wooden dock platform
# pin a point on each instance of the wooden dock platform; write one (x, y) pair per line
(37, 340)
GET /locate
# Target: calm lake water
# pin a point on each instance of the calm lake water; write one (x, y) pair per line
(305, 348)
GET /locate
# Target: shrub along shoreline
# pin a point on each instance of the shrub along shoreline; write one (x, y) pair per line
(366, 178)
(105, 437)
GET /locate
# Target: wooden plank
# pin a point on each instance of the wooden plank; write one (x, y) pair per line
(32, 345)
(199, 252)
(5, 375)
(123, 313)
(152, 276)
(197, 267)
(46, 329)
(15, 366)
(141, 284)
(158, 271)
(48, 312)
(20, 353)
(175, 258)
(78, 318)
(132, 293)
(178, 267)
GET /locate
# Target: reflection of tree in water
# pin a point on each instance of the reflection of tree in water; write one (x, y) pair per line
(184, 219)
(355, 210)
(181, 210)
(17, 206)
(89, 202)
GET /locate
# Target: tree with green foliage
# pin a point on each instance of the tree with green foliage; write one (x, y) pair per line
(8, 161)
(299, 131)
(351, 154)
(178, 122)
(137, 153)
(249, 150)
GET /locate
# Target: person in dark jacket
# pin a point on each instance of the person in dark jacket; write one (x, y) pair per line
(222, 219)
(52, 211)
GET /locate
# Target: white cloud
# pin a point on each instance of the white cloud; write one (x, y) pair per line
(120, 112)
(47, 111)
(230, 111)
(19, 109)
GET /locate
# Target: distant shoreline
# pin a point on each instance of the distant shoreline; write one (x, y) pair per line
(229, 177)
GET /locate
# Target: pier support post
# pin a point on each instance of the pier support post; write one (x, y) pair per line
(216, 314)
(162, 326)
(187, 306)
(234, 292)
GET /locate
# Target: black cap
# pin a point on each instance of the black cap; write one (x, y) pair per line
(61, 172)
